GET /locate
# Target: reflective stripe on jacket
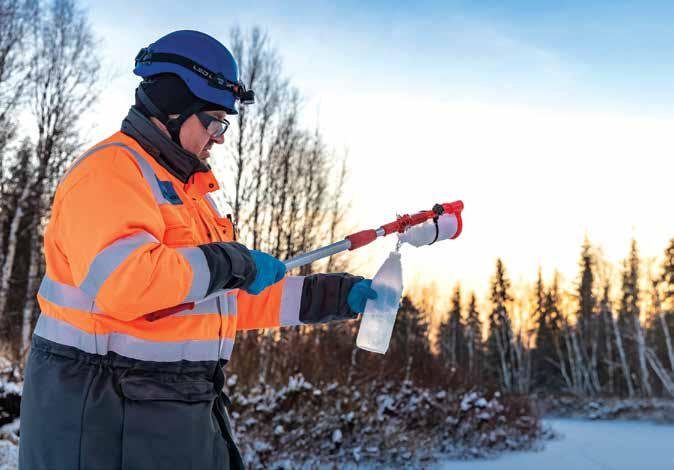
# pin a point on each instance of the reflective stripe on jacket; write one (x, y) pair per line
(123, 241)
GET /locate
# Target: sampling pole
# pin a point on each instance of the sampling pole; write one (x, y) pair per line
(350, 242)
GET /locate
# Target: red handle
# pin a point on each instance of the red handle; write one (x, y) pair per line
(159, 314)
(362, 238)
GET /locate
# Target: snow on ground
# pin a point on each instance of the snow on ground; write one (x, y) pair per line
(589, 445)
(9, 455)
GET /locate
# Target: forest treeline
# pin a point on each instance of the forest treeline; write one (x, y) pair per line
(599, 338)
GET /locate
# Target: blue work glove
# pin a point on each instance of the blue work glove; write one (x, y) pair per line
(359, 293)
(269, 271)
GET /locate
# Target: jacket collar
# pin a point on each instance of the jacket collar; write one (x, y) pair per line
(176, 160)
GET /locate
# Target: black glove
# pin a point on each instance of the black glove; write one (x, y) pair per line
(231, 265)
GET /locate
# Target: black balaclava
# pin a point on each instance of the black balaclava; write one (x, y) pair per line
(165, 94)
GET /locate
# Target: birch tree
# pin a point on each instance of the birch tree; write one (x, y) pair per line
(607, 319)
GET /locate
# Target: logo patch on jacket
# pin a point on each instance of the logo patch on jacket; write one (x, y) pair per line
(169, 192)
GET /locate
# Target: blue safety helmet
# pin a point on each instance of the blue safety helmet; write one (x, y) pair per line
(208, 69)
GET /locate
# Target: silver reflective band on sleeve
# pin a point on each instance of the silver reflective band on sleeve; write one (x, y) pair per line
(228, 303)
(291, 301)
(201, 274)
(129, 346)
(67, 296)
(226, 348)
(108, 260)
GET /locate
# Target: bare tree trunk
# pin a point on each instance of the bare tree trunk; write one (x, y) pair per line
(623, 359)
(337, 213)
(583, 376)
(2, 231)
(562, 365)
(587, 346)
(471, 352)
(660, 371)
(529, 363)
(505, 370)
(594, 364)
(573, 363)
(657, 306)
(509, 340)
(452, 347)
(31, 292)
(668, 339)
(8, 264)
(641, 351)
(521, 366)
(610, 365)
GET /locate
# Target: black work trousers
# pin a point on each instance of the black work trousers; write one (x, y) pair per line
(84, 411)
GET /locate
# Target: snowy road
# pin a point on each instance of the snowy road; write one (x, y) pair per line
(590, 445)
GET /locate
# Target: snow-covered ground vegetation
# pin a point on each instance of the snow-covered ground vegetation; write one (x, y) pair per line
(381, 424)
(11, 386)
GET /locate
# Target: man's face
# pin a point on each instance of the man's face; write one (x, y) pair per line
(195, 138)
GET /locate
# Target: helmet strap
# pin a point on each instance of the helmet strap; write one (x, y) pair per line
(173, 125)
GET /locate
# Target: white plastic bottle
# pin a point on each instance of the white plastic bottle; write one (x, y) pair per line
(379, 316)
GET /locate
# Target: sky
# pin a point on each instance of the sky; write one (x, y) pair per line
(552, 121)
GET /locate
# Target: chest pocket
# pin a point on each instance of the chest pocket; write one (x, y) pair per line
(180, 226)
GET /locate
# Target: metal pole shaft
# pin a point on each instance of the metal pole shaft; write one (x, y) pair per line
(323, 252)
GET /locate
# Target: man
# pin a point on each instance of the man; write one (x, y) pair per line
(134, 231)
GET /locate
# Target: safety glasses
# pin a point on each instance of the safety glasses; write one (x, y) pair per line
(214, 126)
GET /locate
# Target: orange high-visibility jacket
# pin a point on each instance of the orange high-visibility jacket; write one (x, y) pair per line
(123, 241)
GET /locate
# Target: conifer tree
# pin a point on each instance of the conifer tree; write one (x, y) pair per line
(554, 346)
(629, 322)
(451, 335)
(586, 297)
(586, 326)
(474, 346)
(500, 354)
(410, 336)
(545, 360)
(668, 285)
